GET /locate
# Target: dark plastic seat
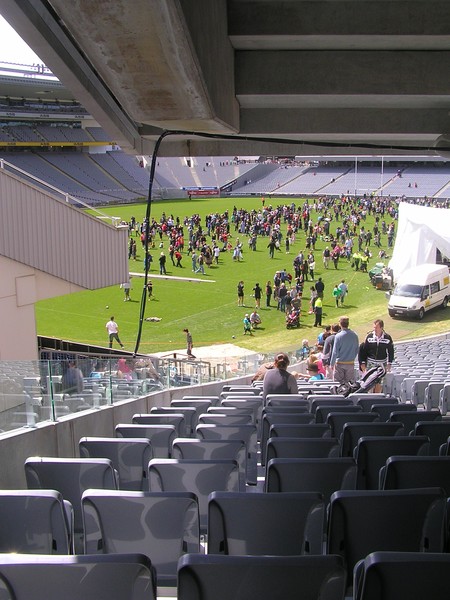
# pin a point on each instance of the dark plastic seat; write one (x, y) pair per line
(385, 410)
(395, 575)
(287, 400)
(302, 448)
(368, 400)
(160, 525)
(226, 419)
(246, 433)
(337, 420)
(402, 520)
(195, 449)
(43, 577)
(258, 523)
(189, 413)
(410, 418)
(201, 405)
(353, 431)
(161, 436)
(200, 477)
(215, 577)
(71, 477)
(322, 475)
(175, 419)
(35, 522)
(403, 472)
(372, 453)
(129, 456)
(309, 430)
(327, 400)
(270, 419)
(438, 432)
(324, 410)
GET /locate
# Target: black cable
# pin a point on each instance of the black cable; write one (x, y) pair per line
(147, 233)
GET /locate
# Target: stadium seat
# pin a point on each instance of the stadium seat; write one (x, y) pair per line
(161, 526)
(129, 456)
(285, 524)
(43, 577)
(200, 477)
(215, 577)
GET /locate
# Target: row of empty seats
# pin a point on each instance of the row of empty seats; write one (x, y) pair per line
(186, 486)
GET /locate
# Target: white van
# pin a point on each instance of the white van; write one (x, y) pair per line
(418, 290)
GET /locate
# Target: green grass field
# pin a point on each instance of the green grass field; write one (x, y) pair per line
(210, 310)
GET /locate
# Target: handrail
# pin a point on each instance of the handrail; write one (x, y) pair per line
(115, 221)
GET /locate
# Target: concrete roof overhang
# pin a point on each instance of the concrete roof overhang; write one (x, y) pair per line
(273, 76)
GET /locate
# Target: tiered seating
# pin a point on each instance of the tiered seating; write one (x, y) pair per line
(360, 472)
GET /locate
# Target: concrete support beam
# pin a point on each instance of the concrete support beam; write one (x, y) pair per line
(360, 73)
(343, 24)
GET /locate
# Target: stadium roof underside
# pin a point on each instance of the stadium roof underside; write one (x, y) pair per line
(311, 76)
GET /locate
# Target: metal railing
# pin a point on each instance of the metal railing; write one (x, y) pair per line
(33, 392)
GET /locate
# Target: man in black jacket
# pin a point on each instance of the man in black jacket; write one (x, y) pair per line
(378, 349)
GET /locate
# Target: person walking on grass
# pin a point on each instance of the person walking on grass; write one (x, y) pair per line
(336, 295)
(247, 325)
(240, 293)
(344, 291)
(258, 291)
(113, 331)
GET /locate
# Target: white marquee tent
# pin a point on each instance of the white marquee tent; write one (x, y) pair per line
(421, 230)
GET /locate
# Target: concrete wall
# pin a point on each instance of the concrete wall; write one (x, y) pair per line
(20, 287)
(61, 438)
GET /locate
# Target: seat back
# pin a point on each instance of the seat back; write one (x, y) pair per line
(432, 393)
(353, 431)
(246, 433)
(302, 448)
(324, 410)
(403, 472)
(287, 400)
(213, 577)
(438, 432)
(285, 524)
(327, 400)
(366, 401)
(129, 456)
(373, 452)
(322, 475)
(394, 575)
(189, 413)
(409, 418)
(337, 420)
(225, 419)
(309, 430)
(201, 405)
(270, 419)
(201, 477)
(43, 577)
(71, 477)
(385, 410)
(195, 449)
(361, 522)
(161, 436)
(175, 419)
(160, 525)
(34, 522)
(256, 402)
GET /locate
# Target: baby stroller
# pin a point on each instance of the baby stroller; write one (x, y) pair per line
(370, 378)
(293, 319)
